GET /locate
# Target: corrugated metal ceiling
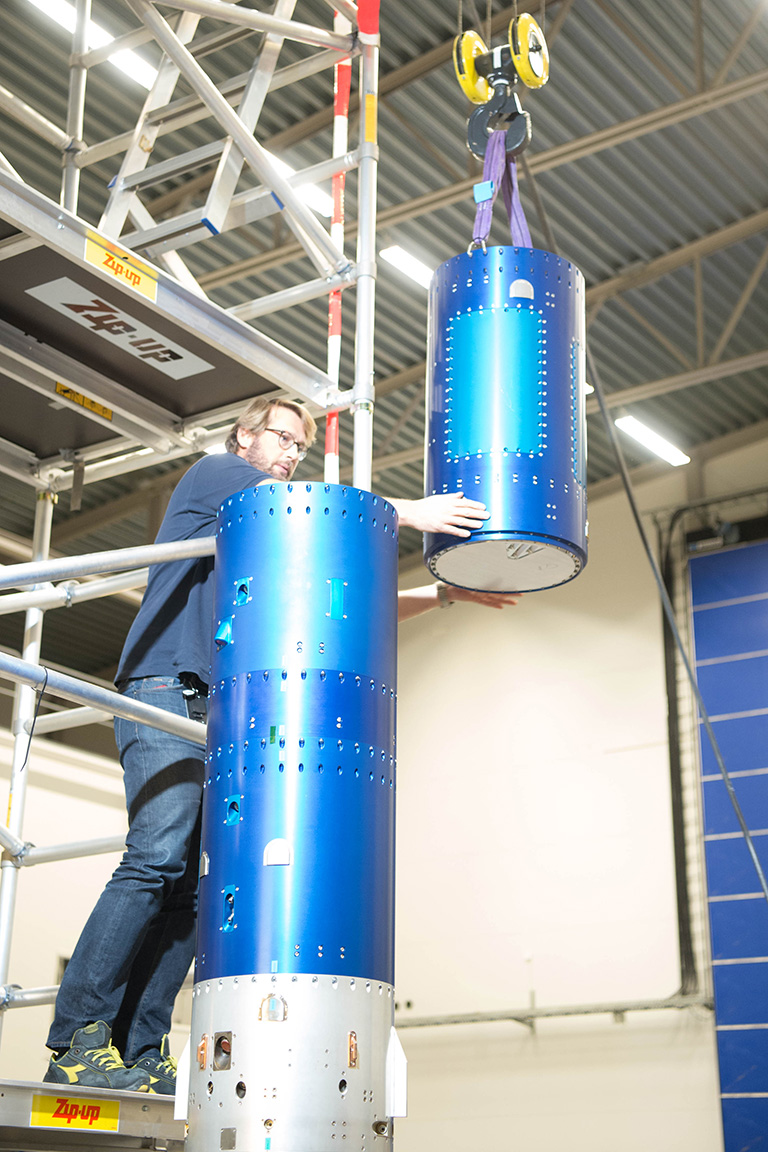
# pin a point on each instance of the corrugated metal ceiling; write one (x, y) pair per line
(612, 206)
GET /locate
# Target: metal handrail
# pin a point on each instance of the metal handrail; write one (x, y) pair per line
(70, 592)
(37, 676)
(117, 560)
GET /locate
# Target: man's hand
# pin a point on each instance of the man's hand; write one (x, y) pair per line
(450, 513)
(413, 601)
(488, 599)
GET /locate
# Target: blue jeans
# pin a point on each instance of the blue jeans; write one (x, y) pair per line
(137, 946)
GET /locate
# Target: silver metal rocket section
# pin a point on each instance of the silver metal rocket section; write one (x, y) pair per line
(302, 1065)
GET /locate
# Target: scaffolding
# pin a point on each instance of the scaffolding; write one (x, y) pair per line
(137, 306)
(138, 256)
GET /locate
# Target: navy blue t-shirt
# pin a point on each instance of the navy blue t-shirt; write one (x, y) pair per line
(172, 631)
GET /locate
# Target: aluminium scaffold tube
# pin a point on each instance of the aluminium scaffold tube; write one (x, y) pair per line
(11, 996)
(263, 22)
(58, 684)
(23, 714)
(300, 293)
(11, 843)
(71, 851)
(111, 703)
(35, 572)
(64, 595)
(311, 234)
(69, 718)
(78, 75)
(342, 76)
(25, 855)
(31, 119)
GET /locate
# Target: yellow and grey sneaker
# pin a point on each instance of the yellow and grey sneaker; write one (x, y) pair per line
(160, 1066)
(93, 1061)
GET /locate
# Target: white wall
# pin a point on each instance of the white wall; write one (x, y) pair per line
(586, 1085)
(533, 811)
(535, 862)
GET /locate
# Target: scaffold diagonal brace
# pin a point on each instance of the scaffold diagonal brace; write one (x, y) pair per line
(310, 233)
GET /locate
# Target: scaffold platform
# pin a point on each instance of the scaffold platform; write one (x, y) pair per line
(49, 1117)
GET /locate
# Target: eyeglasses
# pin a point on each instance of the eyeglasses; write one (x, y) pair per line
(287, 441)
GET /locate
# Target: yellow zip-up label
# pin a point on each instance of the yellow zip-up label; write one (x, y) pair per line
(122, 266)
(75, 1112)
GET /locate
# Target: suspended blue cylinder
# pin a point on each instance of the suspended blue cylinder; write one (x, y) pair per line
(506, 419)
(295, 947)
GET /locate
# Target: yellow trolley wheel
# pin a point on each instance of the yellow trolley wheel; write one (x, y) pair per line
(529, 51)
(465, 48)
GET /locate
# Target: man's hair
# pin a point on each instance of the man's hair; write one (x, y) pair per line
(257, 415)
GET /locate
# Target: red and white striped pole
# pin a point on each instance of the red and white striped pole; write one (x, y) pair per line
(342, 75)
(365, 291)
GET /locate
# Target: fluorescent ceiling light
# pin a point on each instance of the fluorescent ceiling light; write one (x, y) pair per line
(407, 264)
(650, 439)
(312, 196)
(215, 449)
(65, 15)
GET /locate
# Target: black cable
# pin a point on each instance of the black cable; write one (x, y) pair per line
(34, 718)
(670, 616)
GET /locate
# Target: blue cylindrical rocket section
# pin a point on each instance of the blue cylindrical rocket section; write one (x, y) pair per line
(297, 868)
(506, 417)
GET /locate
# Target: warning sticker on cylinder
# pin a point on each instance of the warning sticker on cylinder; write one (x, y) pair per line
(75, 1112)
(102, 316)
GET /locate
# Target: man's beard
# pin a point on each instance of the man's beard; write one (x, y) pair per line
(256, 457)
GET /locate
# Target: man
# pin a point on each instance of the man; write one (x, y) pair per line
(113, 1010)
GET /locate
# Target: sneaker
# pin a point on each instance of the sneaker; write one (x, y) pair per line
(160, 1066)
(93, 1061)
